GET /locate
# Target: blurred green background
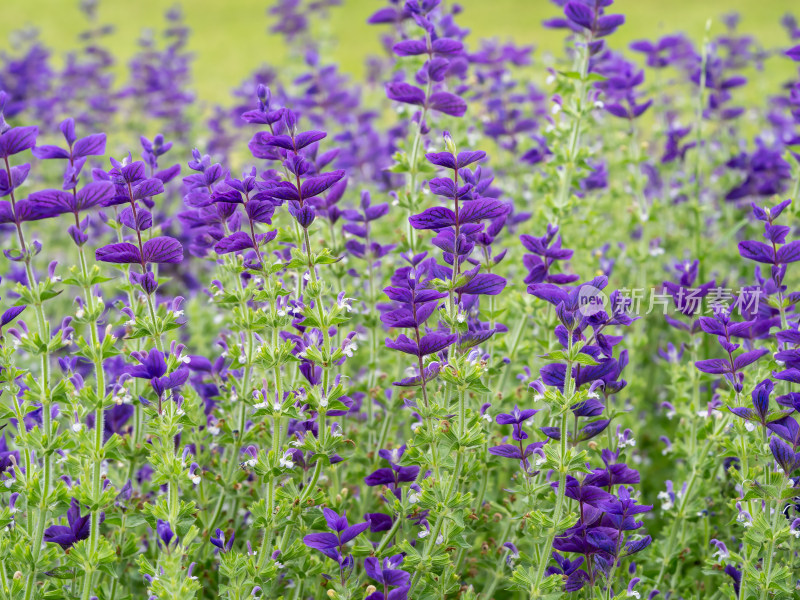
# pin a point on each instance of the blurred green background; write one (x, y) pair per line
(230, 37)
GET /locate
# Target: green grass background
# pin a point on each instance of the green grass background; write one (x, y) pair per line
(230, 37)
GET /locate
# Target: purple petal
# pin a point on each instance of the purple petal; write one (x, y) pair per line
(92, 145)
(163, 249)
(447, 103)
(405, 93)
(120, 253)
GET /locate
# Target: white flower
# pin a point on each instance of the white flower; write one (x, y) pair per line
(76, 427)
(440, 539)
(195, 479)
(414, 497)
(633, 594)
(421, 535)
(213, 430)
(555, 109)
(666, 501)
(286, 461)
(344, 304)
(349, 349)
(80, 313)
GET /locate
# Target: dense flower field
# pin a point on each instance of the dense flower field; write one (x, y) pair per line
(482, 325)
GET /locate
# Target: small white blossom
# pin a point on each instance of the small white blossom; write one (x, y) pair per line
(345, 304)
(666, 501)
(286, 461)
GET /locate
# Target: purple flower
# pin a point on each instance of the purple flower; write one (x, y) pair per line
(331, 544)
(516, 418)
(784, 455)
(221, 542)
(161, 249)
(394, 475)
(153, 366)
(77, 529)
(761, 413)
(428, 344)
(165, 537)
(388, 575)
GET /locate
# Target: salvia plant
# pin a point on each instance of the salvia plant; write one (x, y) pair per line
(478, 326)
